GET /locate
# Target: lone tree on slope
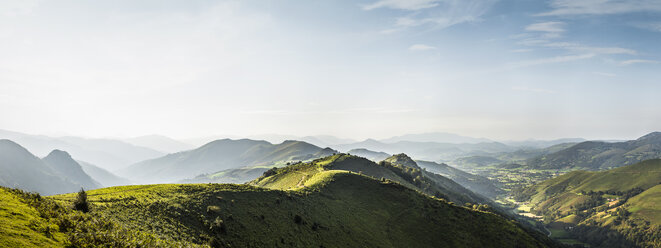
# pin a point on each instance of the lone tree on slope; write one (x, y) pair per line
(81, 203)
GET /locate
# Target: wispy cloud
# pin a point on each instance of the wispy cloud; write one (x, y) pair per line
(402, 4)
(605, 74)
(438, 14)
(652, 26)
(551, 60)
(601, 7)
(521, 50)
(551, 27)
(534, 90)
(638, 61)
(590, 49)
(421, 47)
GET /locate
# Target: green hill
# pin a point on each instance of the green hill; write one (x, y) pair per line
(335, 209)
(298, 175)
(220, 155)
(595, 155)
(618, 205)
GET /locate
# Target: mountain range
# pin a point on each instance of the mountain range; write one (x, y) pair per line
(369, 154)
(599, 155)
(109, 154)
(220, 155)
(55, 174)
(429, 151)
(160, 143)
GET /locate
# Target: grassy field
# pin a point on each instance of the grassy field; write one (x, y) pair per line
(647, 205)
(22, 226)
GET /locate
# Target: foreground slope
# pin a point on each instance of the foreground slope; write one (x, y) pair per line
(22, 226)
(335, 209)
(29, 220)
(617, 207)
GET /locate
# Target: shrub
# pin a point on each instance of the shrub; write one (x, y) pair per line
(81, 203)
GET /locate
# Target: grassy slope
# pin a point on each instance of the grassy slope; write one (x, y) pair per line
(21, 225)
(429, 183)
(647, 205)
(29, 220)
(336, 209)
(644, 175)
(560, 194)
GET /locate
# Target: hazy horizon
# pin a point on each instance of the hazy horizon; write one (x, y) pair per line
(278, 138)
(501, 70)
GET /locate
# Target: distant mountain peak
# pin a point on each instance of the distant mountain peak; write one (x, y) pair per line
(59, 153)
(66, 167)
(651, 136)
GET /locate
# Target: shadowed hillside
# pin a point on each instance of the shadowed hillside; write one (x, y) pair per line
(20, 169)
(65, 167)
(475, 183)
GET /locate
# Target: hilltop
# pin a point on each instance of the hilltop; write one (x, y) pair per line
(617, 207)
(411, 177)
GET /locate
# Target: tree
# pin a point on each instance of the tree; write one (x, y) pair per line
(81, 203)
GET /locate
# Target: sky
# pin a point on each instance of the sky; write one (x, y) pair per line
(508, 69)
